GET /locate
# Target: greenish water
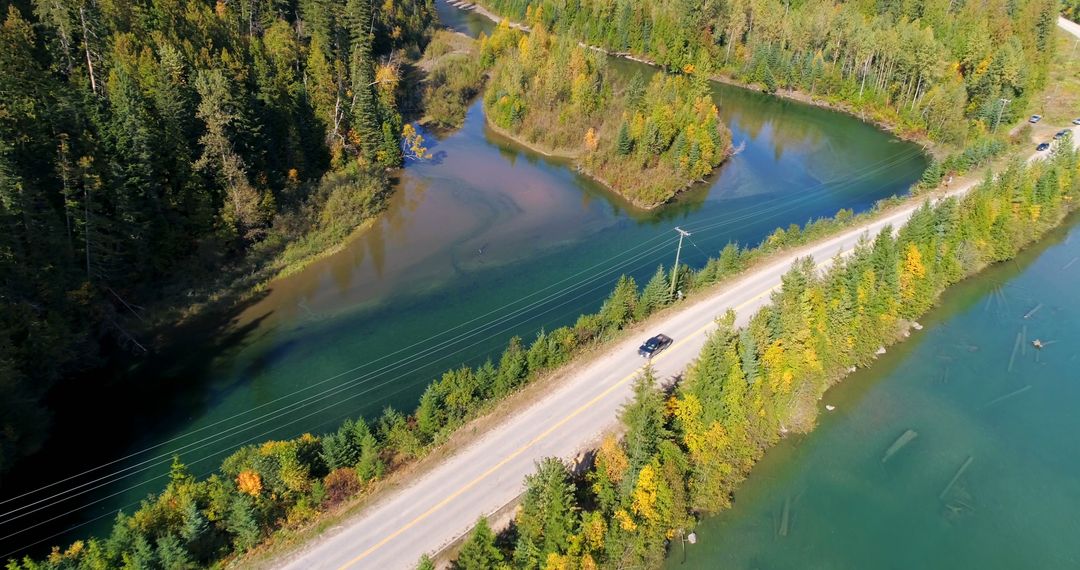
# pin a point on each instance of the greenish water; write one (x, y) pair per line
(485, 241)
(1017, 505)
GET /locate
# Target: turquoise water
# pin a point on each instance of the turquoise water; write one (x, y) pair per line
(1014, 506)
(485, 241)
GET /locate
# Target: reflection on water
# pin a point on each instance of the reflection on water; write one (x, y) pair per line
(487, 241)
(959, 385)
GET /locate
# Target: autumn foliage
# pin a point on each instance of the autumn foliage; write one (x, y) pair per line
(685, 452)
(249, 483)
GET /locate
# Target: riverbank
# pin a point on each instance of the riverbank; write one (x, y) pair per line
(915, 136)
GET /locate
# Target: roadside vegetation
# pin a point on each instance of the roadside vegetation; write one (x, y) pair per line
(937, 68)
(644, 141)
(685, 451)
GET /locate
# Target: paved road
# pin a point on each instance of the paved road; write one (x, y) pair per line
(442, 505)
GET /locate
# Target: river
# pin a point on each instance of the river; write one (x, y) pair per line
(960, 387)
(484, 241)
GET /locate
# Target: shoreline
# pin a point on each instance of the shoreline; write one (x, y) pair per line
(792, 95)
(588, 173)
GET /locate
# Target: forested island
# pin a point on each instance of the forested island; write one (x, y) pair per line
(645, 141)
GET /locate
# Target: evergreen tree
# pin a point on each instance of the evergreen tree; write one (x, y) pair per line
(547, 516)
(657, 294)
(479, 552)
(513, 367)
(644, 419)
(242, 523)
(195, 530)
(370, 465)
(624, 144)
(172, 555)
(619, 307)
(429, 414)
(341, 448)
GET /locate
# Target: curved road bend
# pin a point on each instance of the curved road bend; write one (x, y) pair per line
(442, 505)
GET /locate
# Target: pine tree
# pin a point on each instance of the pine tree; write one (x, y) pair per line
(241, 522)
(624, 144)
(142, 553)
(362, 71)
(195, 530)
(513, 367)
(340, 449)
(429, 414)
(656, 294)
(644, 419)
(370, 465)
(480, 552)
(547, 516)
(620, 305)
(172, 555)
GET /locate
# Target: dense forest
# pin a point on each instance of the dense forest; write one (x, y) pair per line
(930, 66)
(148, 145)
(685, 451)
(645, 141)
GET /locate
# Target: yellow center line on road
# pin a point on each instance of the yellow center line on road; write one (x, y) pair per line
(464, 488)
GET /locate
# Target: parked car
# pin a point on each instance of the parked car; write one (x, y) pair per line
(1076, 121)
(1062, 133)
(1035, 119)
(653, 346)
(1042, 146)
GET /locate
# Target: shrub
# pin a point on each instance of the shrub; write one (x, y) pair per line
(339, 485)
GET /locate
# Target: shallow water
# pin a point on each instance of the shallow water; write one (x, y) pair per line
(485, 241)
(1014, 506)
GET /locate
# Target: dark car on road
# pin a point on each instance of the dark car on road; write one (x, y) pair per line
(1062, 133)
(653, 346)
(1042, 147)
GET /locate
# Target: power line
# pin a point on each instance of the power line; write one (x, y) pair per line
(340, 388)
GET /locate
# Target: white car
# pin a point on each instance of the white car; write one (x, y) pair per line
(1035, 119)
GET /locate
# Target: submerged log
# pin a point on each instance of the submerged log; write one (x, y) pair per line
(904, 439)
(785, 517)
(1012, 394)
(956, 477)
(1016, 346)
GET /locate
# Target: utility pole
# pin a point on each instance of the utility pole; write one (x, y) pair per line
(1004, 102)
(675, 270)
